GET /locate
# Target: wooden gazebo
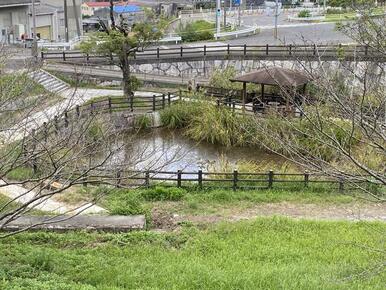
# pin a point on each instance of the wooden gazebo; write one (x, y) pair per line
(273, 76)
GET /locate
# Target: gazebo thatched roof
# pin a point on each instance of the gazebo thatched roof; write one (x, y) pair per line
(274, 76)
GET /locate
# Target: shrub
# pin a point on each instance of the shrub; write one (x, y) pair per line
(304, 14)
(179, 115)
(124, 202)
(143, 122)
(164, 193)
(197, 31)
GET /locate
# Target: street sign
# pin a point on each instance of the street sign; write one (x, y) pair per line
(237, 2)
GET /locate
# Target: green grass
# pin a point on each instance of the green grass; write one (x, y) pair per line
(203, 202)
(267, 253)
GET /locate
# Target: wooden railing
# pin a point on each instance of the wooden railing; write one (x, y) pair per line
(228, 51)
(202, 179)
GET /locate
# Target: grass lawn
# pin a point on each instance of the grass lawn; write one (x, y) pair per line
(266, 253)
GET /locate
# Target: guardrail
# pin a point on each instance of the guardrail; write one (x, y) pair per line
(329, 52)
(237, 33)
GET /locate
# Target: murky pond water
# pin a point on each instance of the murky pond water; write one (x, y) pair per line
(172, 151)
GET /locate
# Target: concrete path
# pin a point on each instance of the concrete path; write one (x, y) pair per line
(72, 97)
(66, 223)
(23, 195)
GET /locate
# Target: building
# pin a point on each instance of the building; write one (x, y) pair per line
(74, 17)
(16, 21)
(88, 8)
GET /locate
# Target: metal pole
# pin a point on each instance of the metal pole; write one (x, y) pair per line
(66, 21)
(218, 15)
(76, 17)
(276, 16)
(239, 15)
(34, 49)
(225, 16)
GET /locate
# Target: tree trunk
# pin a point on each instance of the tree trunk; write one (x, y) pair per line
(126, 73)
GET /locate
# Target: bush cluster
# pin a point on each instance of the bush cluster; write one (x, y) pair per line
(197, 31)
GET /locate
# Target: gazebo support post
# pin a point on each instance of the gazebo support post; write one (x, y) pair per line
(244, 94)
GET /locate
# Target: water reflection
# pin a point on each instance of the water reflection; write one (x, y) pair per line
(171, 151)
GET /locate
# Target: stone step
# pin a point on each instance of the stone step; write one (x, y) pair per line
(48, 81)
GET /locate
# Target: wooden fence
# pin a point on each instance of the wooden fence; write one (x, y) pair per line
(232, 180)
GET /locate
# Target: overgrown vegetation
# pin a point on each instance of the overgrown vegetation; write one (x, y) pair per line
(271, 253)
(197, 31)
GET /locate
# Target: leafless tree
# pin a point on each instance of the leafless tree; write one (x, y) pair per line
(342, 131)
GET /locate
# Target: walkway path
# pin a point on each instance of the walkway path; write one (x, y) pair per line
(72, 97)
(101, 223)
(23, 195)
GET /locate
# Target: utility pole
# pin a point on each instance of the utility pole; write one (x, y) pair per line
(218, 15)
(275, 33)
(239, 14)
(34, 49)
(66, 21)
(225, 15)
(76, 17)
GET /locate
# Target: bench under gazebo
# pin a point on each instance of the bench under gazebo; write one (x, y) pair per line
(283, 78)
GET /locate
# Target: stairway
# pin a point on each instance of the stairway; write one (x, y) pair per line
(48, 81)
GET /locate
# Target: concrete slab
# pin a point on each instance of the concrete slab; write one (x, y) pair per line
(66, 223)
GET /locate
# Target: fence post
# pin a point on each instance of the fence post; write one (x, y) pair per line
(306, 178)
(204, 50)
(234, 106)
(119, 173)
(147, 179)
(366, 49)
(180, 94)
(169, 99)
(314, 49)
(64, 55)
(131, 105)
(266, 49)
(157, 52)
(228, 49)
(65, 119)
(92, 107)
(341, 185)
(42, 54)
(85, 180)
(153, 103)
(270, 179)
(179, 175)
(163, 101)
(235, 178)
(218, 103)
(110, 108)
(56, 124)
(181, 51)
(245, 49)
(87, 57)
(45, 132)
(77, 109)
(290, 49)
(200, 178)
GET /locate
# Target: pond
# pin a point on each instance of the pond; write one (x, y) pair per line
(166, 150)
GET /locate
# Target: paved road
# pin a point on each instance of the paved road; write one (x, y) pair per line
(109, 74)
